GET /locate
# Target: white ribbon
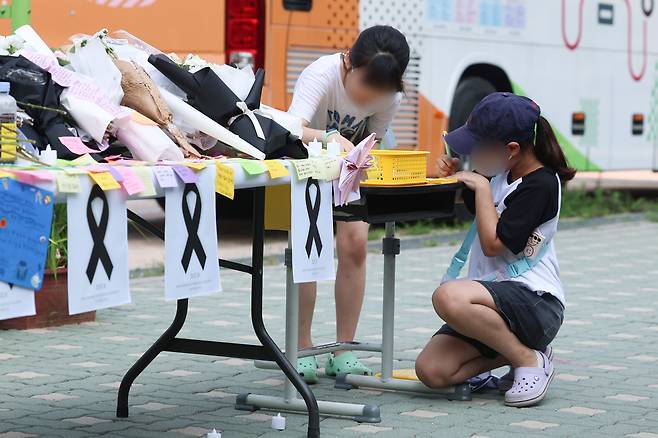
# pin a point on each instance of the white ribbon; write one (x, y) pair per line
(252, 116)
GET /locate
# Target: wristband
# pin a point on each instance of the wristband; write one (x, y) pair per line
(326, 135)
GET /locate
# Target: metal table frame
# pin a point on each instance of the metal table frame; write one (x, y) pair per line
(268, 350)
(375, 207)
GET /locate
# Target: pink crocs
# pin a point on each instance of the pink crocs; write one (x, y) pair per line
(530, 383)
(505, 382)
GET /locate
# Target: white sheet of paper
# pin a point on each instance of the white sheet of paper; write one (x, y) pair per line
(185, 274)
(312, 238)
(108, 287)
(16, 301)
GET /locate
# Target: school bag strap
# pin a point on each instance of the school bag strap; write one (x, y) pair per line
(461, 256)
(512, 270)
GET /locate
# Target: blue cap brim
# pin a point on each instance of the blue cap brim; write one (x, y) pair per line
(462, 140)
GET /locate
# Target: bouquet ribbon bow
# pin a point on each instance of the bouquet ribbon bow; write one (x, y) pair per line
(252, 116)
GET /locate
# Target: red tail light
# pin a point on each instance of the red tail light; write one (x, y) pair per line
(245, 32)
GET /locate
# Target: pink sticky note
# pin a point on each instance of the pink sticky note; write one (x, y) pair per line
(186, 174)
(75, 145)
(131, 182)
(33, 176)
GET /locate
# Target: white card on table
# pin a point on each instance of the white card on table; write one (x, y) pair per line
(191, 266)
(97, 248)
(312, 228)
(16, 301)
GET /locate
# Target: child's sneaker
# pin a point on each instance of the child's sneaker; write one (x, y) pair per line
(530, 383)
(505, 382)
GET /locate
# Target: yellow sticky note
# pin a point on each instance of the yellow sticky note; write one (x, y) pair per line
(275, 168)
(84, 160)
(224, 182)
(67, 183)
(105, 180)
(196, 165)
(74, 171)
(146, 176)
(6, 174)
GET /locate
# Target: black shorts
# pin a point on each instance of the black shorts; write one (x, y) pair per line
(533, 318)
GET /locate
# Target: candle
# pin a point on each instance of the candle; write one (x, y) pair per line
(315, 148)
(333, 148)
(278, 422)
(48, 156)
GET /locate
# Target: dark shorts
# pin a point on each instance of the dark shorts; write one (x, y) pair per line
(533, 318)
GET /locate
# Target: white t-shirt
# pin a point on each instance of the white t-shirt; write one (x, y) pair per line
(320, 99)
(529, 208)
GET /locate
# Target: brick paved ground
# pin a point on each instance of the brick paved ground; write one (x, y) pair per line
(62, 382)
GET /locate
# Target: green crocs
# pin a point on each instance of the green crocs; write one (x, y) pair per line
(346, 363)
(307, 367)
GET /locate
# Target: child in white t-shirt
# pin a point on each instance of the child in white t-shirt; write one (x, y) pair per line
(344, 98)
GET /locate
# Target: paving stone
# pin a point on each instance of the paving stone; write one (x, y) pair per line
(605, 383)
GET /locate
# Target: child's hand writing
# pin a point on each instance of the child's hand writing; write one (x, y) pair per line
(472, 180)
(448, 166)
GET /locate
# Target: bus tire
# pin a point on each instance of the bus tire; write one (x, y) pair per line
(469, 92)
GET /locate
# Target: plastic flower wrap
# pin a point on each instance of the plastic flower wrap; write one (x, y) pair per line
(38, 95)
(209, 94)
(141, 94)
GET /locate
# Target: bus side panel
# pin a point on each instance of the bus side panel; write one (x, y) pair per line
(295, 39)
(171, 26)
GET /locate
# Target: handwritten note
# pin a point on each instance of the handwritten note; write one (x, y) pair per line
(165, 176)
(224, 182)
(75, 145)
(83, 160)
(307, 168)
(196, 165)
(276, 169)
(67, 183)
(25, 216)
(146, 177)
(131, 182)
(105, 180)
(252, 167)
(185, 174)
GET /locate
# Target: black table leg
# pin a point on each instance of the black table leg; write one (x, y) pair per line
(257, 317)
(158, 347)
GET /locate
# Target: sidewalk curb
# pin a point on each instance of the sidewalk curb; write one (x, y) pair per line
(427, 240)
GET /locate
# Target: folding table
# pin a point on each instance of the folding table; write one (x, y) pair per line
(268, 350)
(377, 205)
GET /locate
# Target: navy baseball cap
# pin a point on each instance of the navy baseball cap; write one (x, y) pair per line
(499, 117)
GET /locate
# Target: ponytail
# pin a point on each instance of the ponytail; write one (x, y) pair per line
(548, 151)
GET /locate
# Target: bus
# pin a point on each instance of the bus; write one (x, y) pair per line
(592, 65)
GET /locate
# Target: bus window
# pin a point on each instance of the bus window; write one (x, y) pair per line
(297, 5)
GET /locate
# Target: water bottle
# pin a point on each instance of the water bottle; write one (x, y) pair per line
(8, 110)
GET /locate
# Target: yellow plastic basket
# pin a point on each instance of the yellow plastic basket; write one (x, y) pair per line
(395, 167)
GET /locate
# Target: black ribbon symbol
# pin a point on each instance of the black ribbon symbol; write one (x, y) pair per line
(313, 211)
(97, 231)
(192, 221)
